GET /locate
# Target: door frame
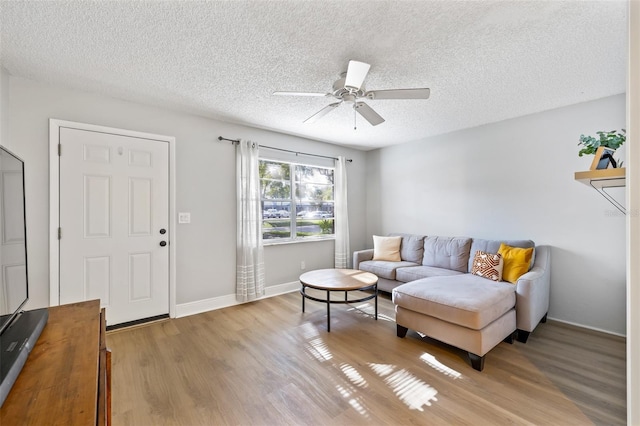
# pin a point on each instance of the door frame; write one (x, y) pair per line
(54, 202)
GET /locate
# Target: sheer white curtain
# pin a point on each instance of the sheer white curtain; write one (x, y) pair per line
(249, 249)
(341, 213)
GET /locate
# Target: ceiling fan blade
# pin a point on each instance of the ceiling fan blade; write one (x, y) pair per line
(398, 94)
(280, 93)
(356, 72)
(324, 111)
(368, 113)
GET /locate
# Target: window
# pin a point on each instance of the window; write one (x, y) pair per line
(297, 201)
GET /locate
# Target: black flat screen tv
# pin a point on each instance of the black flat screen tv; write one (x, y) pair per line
(19, 330)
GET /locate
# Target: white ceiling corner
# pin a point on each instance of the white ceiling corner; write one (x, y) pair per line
(484, 61)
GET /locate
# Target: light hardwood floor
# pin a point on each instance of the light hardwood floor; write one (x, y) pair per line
(267, 363)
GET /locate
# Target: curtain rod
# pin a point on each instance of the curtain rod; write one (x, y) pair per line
(237, 141)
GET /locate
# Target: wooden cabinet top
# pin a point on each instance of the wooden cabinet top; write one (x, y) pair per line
(59, 382)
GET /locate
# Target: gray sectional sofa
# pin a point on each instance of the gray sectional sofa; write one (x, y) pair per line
(435, 293)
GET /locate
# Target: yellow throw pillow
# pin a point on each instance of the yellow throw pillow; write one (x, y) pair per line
(386, 248)
(516, 262)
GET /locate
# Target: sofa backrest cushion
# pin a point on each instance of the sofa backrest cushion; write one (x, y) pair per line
(492, 246)
(447, 252)
(411, 248)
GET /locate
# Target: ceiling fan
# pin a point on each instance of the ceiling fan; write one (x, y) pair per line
(349, 89)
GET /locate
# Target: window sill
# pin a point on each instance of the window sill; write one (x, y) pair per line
(297, 240)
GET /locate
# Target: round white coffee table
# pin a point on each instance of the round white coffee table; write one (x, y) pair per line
(339, 280)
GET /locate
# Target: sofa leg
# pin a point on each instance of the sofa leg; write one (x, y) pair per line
(401, 331)
(477, 362)
(523, 336)
(544, 318)
(509, 338)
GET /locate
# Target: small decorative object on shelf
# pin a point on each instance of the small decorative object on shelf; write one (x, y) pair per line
(602, 159)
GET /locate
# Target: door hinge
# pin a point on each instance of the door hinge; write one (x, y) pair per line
(59, 149)
(59, 233)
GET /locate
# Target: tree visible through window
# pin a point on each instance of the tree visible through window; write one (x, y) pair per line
(297, 200)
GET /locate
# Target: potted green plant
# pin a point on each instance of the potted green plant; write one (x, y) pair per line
(612, 139)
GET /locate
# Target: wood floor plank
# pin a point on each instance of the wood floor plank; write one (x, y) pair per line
(267, 363)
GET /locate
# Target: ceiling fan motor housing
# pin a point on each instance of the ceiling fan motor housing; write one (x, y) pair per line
(343, 93)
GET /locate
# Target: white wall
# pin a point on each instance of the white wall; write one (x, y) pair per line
(205, 186)
(512, 180)
(4, 105)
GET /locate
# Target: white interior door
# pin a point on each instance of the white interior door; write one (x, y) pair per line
(114, 223)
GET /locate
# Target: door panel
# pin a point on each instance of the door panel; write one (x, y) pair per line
(140, 276)
(97, 278)
(140, 217)
(97, 206)
(114, 199)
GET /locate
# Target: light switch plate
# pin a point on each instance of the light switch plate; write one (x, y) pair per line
(184, 217)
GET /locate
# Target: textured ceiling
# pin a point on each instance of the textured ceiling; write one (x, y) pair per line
(484, 61)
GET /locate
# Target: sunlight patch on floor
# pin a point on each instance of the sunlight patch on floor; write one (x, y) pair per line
(353, 400)
(369, 310)
(412, 391)
(315, 345)
(308, 331)
(353, 375)
(384, 317)
(318, 348)
(431, 361)
(346, 386)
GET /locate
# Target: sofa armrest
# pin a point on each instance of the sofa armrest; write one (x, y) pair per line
(361, 256)
(532, 291)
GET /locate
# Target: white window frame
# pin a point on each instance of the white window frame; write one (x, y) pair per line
(293, 206)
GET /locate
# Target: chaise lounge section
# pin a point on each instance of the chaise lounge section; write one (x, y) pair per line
(438, 292)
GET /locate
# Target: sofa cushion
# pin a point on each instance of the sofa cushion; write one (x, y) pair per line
(516, 261)
(383, 268)
(411, 248)
(492, 246)
(488, 265)
(466, 299)
(413, 273)
(447, 252)
(386, 248)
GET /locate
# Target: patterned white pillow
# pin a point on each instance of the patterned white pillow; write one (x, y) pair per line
(488, 265)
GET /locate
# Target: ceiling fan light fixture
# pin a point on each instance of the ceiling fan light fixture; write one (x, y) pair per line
(349, 98)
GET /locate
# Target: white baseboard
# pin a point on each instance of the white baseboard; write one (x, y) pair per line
(600, 330)
(200, 306)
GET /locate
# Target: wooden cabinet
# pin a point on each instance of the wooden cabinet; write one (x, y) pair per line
(67, 377)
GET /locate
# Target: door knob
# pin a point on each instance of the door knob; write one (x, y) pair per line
(163, 243)
(163, 231)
